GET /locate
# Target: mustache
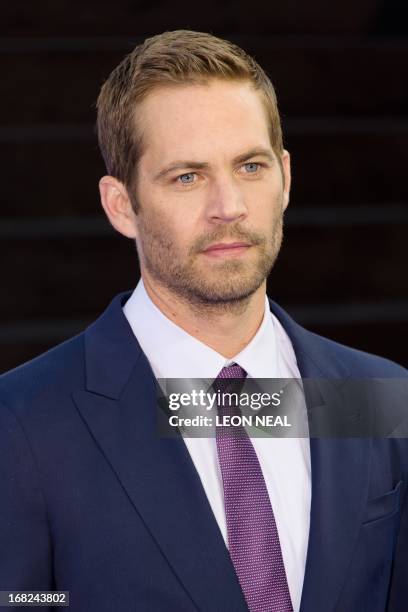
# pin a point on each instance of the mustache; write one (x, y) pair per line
(222, 234)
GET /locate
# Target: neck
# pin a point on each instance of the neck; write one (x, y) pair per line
(226, 328)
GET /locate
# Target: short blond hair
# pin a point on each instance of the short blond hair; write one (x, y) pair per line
(179, 57)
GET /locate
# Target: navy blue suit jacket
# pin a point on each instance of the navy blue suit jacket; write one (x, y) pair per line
(94, 502)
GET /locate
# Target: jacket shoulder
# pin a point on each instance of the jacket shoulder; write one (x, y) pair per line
(332, 358)
(53, 373)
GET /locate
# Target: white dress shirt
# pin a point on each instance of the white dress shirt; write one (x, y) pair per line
(285, 462)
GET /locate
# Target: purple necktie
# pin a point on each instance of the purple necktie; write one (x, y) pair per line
(253, 539)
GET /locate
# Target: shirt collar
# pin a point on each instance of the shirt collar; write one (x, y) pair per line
(173, 353)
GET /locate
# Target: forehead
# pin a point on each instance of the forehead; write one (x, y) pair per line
(201, 121)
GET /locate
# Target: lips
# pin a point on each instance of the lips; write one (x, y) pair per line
(226, 246)
(227, 250)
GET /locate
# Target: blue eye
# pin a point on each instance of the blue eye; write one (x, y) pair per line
(251, 167)
(187, 178)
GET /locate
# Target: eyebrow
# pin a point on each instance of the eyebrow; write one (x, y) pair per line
(195, 165)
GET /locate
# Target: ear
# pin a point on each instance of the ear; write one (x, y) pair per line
(117, 206)
(286, 177)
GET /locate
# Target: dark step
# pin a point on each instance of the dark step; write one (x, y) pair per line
(76, 277)
(312, 77)
(332, 165)
(65, 277)
(100, 18)
(348, 165)
(336, 265)
(382, 339)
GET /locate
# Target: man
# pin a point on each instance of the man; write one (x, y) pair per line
(93, 500)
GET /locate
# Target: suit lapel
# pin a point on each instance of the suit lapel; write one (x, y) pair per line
(339, 473)
(119, 407)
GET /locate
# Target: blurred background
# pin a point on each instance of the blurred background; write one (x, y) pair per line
(340, 70)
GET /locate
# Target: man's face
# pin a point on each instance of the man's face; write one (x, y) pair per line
(210, 191)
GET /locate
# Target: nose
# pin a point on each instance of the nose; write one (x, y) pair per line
(225, 201)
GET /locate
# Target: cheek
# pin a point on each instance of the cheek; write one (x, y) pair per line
(264, 200)
(159, 227)
(180, 216)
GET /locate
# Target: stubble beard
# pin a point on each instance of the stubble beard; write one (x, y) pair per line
(229, 283)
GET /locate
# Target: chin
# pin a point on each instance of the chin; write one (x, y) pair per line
(220, 293)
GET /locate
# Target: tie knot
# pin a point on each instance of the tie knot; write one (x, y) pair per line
(230, 379)
(232, 371)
